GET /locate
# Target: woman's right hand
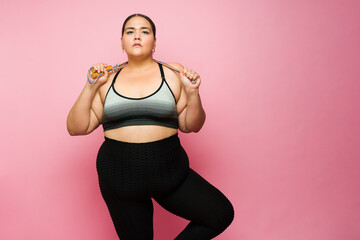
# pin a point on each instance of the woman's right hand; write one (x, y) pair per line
(100, 68)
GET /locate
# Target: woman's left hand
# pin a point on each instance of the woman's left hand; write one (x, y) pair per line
(189, 78)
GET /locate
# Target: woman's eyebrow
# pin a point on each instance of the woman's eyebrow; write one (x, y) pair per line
(140, 28)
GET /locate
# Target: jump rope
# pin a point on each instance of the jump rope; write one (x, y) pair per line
(117, 68)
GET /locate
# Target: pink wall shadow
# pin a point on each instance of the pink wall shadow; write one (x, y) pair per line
(280, 86)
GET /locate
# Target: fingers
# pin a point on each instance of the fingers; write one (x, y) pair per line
(99, 67)
(106, 73)
(190, 74)
(102, 75)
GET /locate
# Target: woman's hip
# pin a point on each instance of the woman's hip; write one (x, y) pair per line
(142, 165)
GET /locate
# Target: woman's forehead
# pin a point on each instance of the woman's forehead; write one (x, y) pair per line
(138, 21)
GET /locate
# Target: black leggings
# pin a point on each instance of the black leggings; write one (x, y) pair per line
(130, 174)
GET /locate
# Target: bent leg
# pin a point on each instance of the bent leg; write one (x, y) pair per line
(195, 199)
(133, 220)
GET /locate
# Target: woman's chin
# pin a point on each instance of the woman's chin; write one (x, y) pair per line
(138, 54)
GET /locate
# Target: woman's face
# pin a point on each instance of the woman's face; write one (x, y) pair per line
(138, 31)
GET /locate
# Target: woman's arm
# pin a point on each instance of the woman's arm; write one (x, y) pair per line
(192, 115)
(81, 115)
(86, 114)
(195, 115)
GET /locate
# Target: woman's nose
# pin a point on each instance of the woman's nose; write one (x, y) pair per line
(137, 35)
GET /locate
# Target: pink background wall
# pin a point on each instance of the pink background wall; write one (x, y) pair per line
(280, 86)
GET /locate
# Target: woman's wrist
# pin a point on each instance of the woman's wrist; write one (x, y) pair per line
(90, 88)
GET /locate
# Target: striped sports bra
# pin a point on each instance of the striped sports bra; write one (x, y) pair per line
(158, 108)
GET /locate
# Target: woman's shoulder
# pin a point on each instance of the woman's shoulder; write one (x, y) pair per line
(170, 73)
(175, 65)
(103, 89)
(173, 78)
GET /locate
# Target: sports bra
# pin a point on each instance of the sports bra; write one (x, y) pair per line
(158, 108)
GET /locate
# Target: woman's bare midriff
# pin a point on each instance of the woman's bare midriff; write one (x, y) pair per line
(140, 133)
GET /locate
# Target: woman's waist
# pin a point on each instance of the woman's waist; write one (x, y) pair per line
(141, 149)
(140, 133)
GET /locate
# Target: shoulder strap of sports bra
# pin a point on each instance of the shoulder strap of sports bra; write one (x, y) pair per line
(162, 71)
(113, 81)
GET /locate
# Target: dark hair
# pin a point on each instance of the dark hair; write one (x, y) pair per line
(140, 15)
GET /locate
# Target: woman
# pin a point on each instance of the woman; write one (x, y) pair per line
(142, 157)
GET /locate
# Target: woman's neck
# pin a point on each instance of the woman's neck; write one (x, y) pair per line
(140, 64)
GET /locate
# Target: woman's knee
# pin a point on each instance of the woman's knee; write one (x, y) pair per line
(224, 216)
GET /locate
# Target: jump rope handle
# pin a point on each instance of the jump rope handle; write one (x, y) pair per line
(94, 74)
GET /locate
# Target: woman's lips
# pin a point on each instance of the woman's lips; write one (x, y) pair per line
(137, 45)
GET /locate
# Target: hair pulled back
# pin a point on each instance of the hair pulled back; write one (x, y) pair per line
(140, 15)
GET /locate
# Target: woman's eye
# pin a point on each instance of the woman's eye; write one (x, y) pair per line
(132, 31)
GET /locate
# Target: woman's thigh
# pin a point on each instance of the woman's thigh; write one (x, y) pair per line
(197, 200)
(132, 219)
